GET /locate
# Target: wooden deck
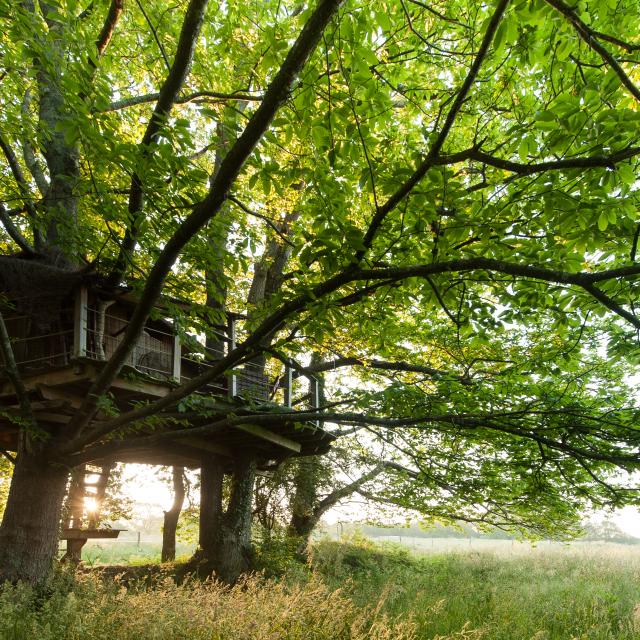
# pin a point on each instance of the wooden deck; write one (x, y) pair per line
(59, 366)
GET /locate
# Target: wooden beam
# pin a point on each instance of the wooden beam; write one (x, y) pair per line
(177, 357)
(51, 393)
(157, 389)
(201, 443)
(68, 374)
(270, 436)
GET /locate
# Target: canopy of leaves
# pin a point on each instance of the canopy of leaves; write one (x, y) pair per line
(455, 184)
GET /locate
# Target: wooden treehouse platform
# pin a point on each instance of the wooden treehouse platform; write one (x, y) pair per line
(61, 344)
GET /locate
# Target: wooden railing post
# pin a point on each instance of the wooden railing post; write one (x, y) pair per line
(80, 324)
(314, 389)
(231, 334)
(288, 386)
(177, 356)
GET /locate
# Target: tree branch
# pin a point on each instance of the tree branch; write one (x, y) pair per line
(591, 38)
(8, 456)
(382, 365)
(14, 232)
(172, 86)
(266, 219)
(253, 343)
(276, 94)
(21, 181)
(155, 34)
(344, 492)
(523, 169)
(110, 22)
(213, 96)
(434, 151)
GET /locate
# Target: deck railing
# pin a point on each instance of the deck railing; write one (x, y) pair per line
(94, 332)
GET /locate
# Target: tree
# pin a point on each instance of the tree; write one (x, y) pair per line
(172, 515)
(438, 173)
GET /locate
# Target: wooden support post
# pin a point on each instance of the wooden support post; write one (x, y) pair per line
(288, 386)
(74, 550)
(80, 324)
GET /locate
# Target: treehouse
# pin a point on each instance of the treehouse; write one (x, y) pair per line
(62, 336)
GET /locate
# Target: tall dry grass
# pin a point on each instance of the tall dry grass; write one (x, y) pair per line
(350, 591)
(253, 610)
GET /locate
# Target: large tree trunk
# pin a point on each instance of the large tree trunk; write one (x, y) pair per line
(172, 516)
(234, 552)
(211, 479)
(303, 504)
(30, 526)
(225, 536)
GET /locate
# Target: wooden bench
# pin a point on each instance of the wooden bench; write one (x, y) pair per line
(77, 538)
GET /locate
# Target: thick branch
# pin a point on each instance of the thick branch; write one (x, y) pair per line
(110, 22)
(230, 167)
(426, 421)
(276, 319)
(8, 456)
(382, 365)
(585, 162)
(168, 93)
(344, 492)
(14, 232)
(21, 181)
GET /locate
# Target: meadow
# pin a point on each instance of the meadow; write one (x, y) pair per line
(354, 590)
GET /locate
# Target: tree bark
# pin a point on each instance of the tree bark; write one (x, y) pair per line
(172, 515)
(30, 526)
(234, 552)
(211, 478)
(303, 519)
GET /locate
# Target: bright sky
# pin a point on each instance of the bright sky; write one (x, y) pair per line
(143, 485)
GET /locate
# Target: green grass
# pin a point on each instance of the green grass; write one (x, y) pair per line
(356, 591)
(95, 553)
(558, 594)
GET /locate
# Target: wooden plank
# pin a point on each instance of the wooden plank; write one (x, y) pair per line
(270, 436)
(51, 393)
(85, 534)
(288, 386)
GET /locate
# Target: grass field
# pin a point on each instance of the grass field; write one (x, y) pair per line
(357, 590)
